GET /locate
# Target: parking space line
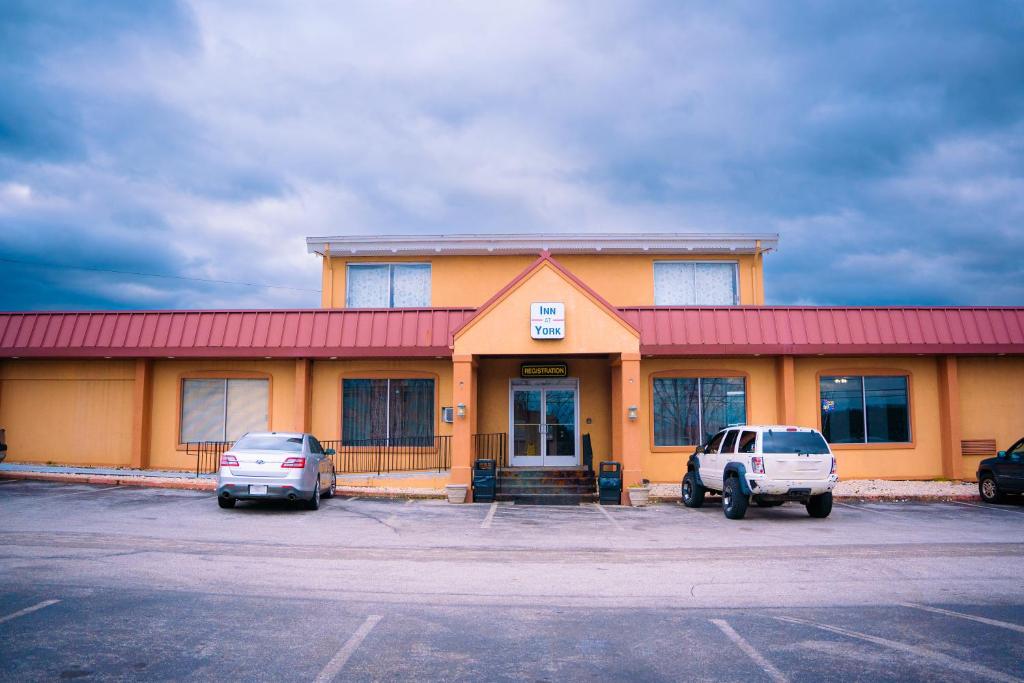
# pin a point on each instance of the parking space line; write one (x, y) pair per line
(486, 524)
(76, 493)
(749, 650)
(615, 522)
(977, 670)
(337, 663)
(28, 610)
(987, 507)
(9, 481)
(863, 509)
(981, 620)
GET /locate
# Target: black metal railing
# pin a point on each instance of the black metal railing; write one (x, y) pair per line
(404, 454)
(207, 454)
(493, 446)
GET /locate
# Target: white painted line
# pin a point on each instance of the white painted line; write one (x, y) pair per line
(981, 620)
(944, 660)
(615, 522)
(987, 507)
(337, 663)
(349, 500)
(486, 524)
(749, 650)
(9, 481)
(410, 501)
(76, 493)
(28, 610)
(863, 509)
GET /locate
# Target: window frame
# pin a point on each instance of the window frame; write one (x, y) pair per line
(871, 372)
(224, 375)
(391, 282)
(694, 374)
(735, 278)
(369, 374)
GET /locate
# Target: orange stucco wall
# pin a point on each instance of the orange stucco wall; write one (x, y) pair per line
(594, 375)
(624, 280)
(991, 404)
(67, 412)
(921, 459)
(668, 464)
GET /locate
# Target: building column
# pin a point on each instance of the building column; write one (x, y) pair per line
(142, 413)
(464, 394)
(301, 403)
(949, 416)
(626, 388)
(785, 382)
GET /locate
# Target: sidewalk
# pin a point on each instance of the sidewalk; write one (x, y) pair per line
(431, 484)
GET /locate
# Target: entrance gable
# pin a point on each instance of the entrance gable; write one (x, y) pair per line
(502, 325)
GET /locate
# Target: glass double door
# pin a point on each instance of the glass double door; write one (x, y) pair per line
(543, 425)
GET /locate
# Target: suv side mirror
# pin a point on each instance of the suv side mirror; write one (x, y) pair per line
(329, 451)
(1001, 454)
(699, 450)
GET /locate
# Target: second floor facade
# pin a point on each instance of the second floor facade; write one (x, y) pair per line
(442, 271)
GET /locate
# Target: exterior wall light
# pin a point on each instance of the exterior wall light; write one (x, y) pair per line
(460, 409)
(631, 412)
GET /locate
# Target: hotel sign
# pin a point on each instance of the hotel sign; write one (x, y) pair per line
(543, 370)
(547, 320)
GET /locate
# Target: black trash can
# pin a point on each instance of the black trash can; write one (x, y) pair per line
(485, 480)
(609, 482)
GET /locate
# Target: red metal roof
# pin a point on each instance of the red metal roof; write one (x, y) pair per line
(791, 330)
(364, 333)
(426, 332)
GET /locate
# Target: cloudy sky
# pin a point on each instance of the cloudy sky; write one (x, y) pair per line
(202, 141)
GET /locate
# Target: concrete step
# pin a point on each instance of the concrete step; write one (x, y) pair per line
(548, 498)
(521, 489)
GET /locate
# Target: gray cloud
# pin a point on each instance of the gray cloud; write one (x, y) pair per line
(883, 141)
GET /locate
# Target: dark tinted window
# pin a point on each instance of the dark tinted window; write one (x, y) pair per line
(865, 409)
(729, 445)
(688, 409)
(272, 442)
(715, 442)
(747, 442)
(315, 447)
(793, 442)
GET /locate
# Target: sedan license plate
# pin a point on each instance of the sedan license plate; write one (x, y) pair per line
(258, 489)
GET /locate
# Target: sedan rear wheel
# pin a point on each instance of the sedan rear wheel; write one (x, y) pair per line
(314, 502)
(226, 503)
(334, 486)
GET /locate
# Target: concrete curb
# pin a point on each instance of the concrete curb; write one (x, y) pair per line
(870, 499)
(189, 484)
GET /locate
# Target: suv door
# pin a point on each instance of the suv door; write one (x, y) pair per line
(725, 455)
(709, 472)
(1010, 471)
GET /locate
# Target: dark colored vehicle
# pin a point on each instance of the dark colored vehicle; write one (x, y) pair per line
(1002, 474)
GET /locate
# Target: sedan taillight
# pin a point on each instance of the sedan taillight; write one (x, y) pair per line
(296, 463)
(757, 464)
(228, 461)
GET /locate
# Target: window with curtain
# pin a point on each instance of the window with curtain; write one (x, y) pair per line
(387, 411)
(223, 409)
(688, 410)
(387, 285)
(689, 283)
(865, 409)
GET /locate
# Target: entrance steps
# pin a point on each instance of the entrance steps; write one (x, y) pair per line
(546, 485)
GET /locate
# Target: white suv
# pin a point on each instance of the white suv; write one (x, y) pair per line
(772, 464)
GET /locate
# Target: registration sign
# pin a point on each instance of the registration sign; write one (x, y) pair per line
(547, 320)
(258, 489)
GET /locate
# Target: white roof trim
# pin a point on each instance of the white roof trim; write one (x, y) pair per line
(559, 243)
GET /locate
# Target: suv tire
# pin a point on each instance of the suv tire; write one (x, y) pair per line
(692, 492)
(989, 489)
(820, 506)
(734, 501)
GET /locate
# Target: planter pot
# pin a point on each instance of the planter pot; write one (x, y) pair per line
(456, 493)
(638, 497)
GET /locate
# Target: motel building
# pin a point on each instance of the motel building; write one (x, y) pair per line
(550, 351)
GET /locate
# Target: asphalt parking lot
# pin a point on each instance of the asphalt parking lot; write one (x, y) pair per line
(121, 583)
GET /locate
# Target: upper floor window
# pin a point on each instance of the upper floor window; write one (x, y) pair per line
(223, 409)
(690, 283)
(387, 285)
(865, 409)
